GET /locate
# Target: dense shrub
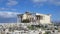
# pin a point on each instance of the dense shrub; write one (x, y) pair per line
(26, 21)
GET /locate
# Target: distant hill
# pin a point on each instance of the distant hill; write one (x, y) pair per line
(8, 20)
(57, 23)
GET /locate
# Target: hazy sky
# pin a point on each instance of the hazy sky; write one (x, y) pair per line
(9, 8)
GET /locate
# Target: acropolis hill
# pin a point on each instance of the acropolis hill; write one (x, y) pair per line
(30, 23)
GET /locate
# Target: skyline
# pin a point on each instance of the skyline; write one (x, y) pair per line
(10, 8)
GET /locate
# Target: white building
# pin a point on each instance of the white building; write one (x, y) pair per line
(43, 18)
(34, 18)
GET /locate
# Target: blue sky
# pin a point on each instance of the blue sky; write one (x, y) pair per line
(10, 8)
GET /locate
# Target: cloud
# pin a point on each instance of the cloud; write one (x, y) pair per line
(12, 3)
(5, 9)
(2, 8)
(54, 2)
(38, 1)
(8, 14)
